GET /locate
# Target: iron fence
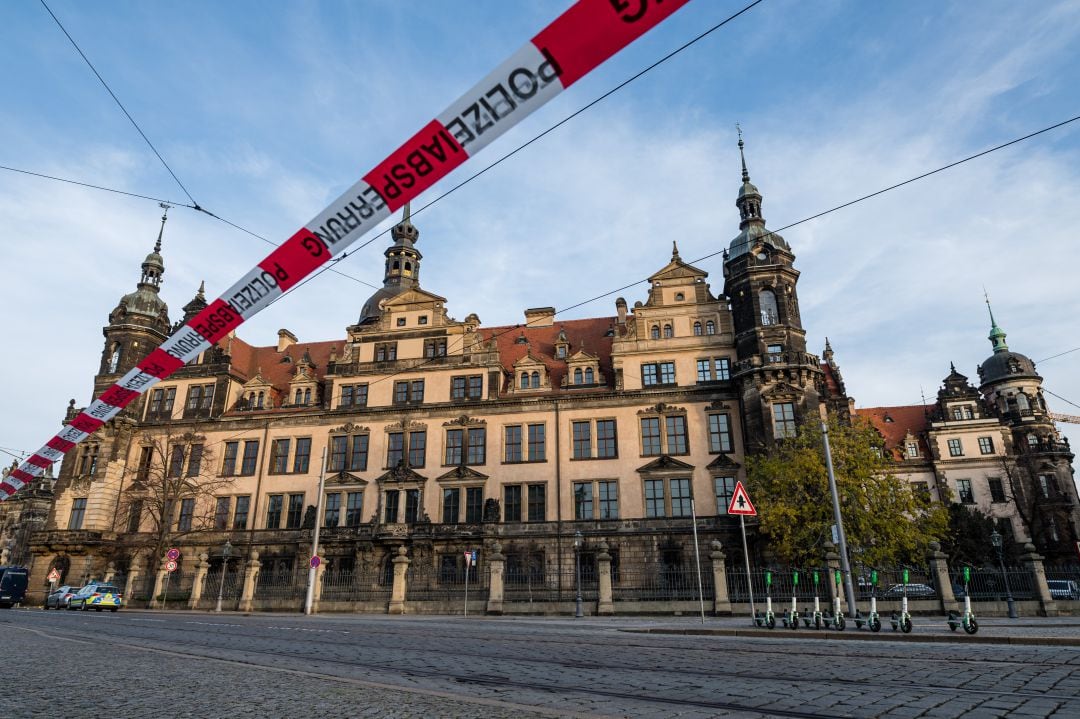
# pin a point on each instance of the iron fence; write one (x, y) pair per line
(357, 585)
(429, 583)
(550, 584)
(888, 583)
(1063, 581)
(783, 583)
(660, 583)
(230, 589)
(988, 584)
(280, 585)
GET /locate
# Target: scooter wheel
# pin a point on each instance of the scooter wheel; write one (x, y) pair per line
(971, 626)
(905, 625)
(817, 622)
(841, 622)
(770, 622)
(874, 624)
(952, 626)
(795, 623)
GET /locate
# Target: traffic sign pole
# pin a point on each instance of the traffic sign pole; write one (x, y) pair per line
(697, 561)
(746, 556)
(310, 598)
(468, 563)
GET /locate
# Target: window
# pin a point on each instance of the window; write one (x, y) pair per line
(199, 398)
(963, 488)
(725, 488)
(187, 512)
(391, 506)
(524, 381)
(955, 450)
(451, 505)
(146, 460)
(609, 500)
(470, 387)
(654, 498)
(512, 443)
(583, 500)
(680, 498)
(657, 494)
(710, 328)
(654, 332)
(537, 502)
(412, 505)
(400, 321)
(1023, 403)
(997, 491)
(78, 511)
(228, 466)
(240, 517)
(221, 513)
(714, 369)
(114, 358)
(176, 461)
(409, 392)
(770, 314)
(676, 434)
(422, 320)
(161, 402)
(719, 433)
(385, 351)
(303, 455)
(774, 352)
(986, 445)
(783, 420)
(582, 434)
(1047, 485)
(135, 512)
(474, 504)
(273, 510)
(435, 347)
(354, 505)
(653, 439)
(657, 373)
(332, 510)
(251, 457)
(650, 436)
(354, 395)
(606, 441)
(668, 332)
(912, 449)
(536, 443)
(578, 377)
(194, 466)
(512, 503)
(296, 511)
(697, 329)
(88, 459)
(465, 446)
(417, 448)
(395, 449)
(279, 456)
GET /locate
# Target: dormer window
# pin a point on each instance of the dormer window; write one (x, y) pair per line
(668, 332)
(578, 375)
(524, 384)
(912, 449)
(697, 329)
(560, 351)
(654, 333)
(710, 328)
(535, 380)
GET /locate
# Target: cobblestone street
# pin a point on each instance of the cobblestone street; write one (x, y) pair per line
(185, 664)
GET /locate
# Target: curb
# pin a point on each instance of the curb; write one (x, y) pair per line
(860, 636)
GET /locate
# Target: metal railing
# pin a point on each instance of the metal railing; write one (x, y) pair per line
(426, 584)
(355, 586)
(988, 585)
(660, 583)
(549, 585)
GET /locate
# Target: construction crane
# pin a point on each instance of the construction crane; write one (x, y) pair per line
(1070, 418)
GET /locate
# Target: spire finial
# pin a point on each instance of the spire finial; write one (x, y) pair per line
(952, 367)
(745, 174)
(407, 214)
(997, 335)
(201, 294)
(675, 251)
(164, 217)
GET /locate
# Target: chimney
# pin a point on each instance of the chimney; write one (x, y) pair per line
(540, 317)
(285, 339)
(620, 307)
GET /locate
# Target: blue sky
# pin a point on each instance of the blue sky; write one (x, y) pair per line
(266, 111)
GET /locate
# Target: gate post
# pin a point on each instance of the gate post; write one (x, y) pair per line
(316, 591)
(110, 572)
(721, 599)
(134, 570)
(397, 593)
(159, 583)
(605, 605)
(201, 565)
(251, 573)
(832, 563)
(939, 570)
(1033, 561)
(496, 566)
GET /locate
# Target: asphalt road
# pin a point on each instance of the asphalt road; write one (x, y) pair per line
(203, 665)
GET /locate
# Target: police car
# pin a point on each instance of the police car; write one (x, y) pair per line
(96, 596)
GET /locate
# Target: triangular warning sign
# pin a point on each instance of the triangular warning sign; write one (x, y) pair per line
(740, 502)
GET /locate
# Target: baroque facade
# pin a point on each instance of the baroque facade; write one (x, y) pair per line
(442, 435)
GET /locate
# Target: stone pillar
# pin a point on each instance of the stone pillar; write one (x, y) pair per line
(201, 565)
(251, 573)
(496, 565)
(939, 570)
(721, 599)
(316, 591)
(832, 565)
(397, 593)
(135, 570)
(110, 572)
(159, 583)
(604, 606)
(1033, 562)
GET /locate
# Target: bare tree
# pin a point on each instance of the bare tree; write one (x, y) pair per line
(170, 492)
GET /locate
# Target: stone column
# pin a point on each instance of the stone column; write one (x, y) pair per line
(496, 565)
(1033, 562)
(159, 583)
(316, 591)
(135, 570)
(939, 570)
(832, 564)
(251, 573)
(397, 593)
(604, 606)
(721, 599)
(201, 565)
(110, 572)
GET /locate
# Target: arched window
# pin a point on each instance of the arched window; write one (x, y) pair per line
(1022, 402)
(397, 265)
(589, 375)
(668, 332)
(536, 380)
(679, 297)
(654, 333)
(298, 395)
(710, 328)
(697, 329)
(114, 358)
(307, 396)
(259, 401)
(770, 314)
(577, 376)
(524, 380)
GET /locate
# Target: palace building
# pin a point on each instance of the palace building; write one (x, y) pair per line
(544, 441)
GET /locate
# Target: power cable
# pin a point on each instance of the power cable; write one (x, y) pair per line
(119, 104)
(1074, 404)
(1059, 354)
(96, 187)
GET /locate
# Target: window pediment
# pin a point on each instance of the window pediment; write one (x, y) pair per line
(662, 408)
(401, 475)
(350, 428)
(405, 425)
(343, 478)
(462, 473)
(465, 421)
(723, 462)
(666, 465)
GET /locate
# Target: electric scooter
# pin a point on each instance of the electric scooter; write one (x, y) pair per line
(815, 619)
(791, 618)
(902, 620)
(767, 620)
(836, 620)
(967, 620)
(873, 622)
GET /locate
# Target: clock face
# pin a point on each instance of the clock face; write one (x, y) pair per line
(762, 256)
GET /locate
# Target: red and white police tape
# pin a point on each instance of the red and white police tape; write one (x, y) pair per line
(579, 40)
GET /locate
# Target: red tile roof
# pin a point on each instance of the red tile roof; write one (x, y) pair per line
(894, 423)
(248, 360)
(587, 334)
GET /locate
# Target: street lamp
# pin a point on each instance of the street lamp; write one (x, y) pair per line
(225, 552)
(995, 539)
(577, 564)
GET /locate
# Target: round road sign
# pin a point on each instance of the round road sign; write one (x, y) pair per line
(315, 562)
(170, 566)
(173, 554)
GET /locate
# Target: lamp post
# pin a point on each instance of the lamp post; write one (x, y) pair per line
(225, 552)
(577, 566)
(996, 540)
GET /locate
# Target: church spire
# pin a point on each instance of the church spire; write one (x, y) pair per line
(997, 335)
(745, 174)
(749, 199)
